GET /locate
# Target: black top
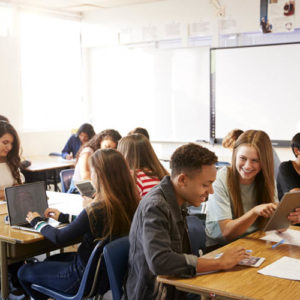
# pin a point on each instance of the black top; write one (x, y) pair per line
(79, 226)
(287, 178)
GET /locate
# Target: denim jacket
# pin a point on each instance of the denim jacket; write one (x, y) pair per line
(158, 241)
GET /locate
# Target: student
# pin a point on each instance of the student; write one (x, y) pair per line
(288, 177)
(159, 243)
(83, 135)
(9, 157)
(140, 130)
(105, 139)
(233, 135)
(244, 192)
(142, 161)
(109, 215)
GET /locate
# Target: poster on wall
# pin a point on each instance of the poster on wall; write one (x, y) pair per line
(277, 15)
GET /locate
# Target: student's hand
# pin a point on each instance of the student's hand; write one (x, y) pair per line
(86, 201)
(69, 156)
(232, 257)
(295, 190)
(52, 213)
(31, 215)
(294, 216)
(264, 210)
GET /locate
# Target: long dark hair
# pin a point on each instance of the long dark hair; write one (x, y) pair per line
(116, 193)
(140, 155)
(86, 128)
(13, 157)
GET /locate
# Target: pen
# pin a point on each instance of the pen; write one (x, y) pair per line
(277, 244)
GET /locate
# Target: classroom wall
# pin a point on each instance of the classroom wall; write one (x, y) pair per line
(103, 28)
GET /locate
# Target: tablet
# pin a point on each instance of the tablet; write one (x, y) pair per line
(85, 188)
(287, 204)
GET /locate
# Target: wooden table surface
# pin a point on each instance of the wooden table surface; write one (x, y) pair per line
(244, 282)
(46, 162)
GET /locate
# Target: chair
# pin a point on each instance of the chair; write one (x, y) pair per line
(65, 179)
(89, 286)
(116, 260)
(197, 235)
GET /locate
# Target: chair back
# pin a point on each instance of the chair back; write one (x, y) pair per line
(197, 235)
(65, 179)
(116, 260)
(92, 277)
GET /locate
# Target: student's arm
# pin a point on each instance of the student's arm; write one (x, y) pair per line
(232, 229)
(163, 260)
(229, 259)
(66, 234)
(68, 148)
(2, 195)
(84, 167)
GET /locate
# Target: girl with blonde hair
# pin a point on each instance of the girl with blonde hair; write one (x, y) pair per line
(142, 161)
(244, 193)
(107, 217)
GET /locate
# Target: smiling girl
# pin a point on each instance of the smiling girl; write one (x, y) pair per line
(9, 157)
(245, 192)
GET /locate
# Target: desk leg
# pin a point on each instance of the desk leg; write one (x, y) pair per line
(4, 271)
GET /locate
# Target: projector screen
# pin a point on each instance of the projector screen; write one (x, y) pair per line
(257, 88)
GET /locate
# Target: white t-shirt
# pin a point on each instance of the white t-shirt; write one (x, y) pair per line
(219, 207)
(6, 178)
(77, 175)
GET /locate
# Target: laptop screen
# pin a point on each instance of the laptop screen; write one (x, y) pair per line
(24, 198)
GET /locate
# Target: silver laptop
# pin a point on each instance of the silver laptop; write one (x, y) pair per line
(24, 198)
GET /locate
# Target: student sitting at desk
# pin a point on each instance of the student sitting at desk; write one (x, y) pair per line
(83, 135)
(244, 192)
(9, 157)
(109, 215)
(105, 139)
(289, 171)
(159, 243)
(143, 162)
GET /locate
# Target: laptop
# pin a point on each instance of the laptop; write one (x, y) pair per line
(24, 198)
(288, 203)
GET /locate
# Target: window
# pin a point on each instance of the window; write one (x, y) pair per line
(51, 73)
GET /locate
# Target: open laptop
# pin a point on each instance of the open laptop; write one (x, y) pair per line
(24, 198)
(288, 203)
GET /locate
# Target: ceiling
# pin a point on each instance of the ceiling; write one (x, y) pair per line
(79, 6)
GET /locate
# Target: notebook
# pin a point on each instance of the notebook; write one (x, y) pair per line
(23, 198)
(288, 203)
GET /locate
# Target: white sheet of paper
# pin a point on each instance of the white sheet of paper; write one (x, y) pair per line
(285, 267)
(290, 236)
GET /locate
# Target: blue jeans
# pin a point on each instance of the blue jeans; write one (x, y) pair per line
(62, 272)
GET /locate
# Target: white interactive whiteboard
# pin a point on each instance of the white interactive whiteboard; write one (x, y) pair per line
(165, 91)
(258, 88)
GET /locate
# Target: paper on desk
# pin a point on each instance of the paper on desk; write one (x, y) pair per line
(285, 267)
(290, 236)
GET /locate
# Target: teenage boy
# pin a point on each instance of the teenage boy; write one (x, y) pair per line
(159, 243)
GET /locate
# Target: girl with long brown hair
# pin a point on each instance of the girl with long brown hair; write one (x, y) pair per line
(9, 157)
(244, 193)
(107, 217)
(143, 162)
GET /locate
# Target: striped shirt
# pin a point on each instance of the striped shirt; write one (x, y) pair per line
(144, 182)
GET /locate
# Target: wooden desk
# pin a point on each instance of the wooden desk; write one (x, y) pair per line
(244, 282)
(45, 167)
(17, 245)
